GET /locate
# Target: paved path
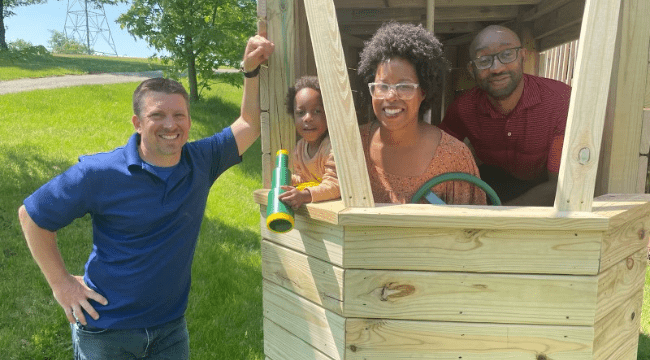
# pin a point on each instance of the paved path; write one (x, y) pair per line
(13, 86)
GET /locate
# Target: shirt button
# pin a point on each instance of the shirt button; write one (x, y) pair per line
(509, 133)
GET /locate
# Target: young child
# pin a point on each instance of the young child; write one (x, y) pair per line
(314, 172)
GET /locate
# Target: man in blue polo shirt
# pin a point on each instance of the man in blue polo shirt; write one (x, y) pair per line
(146, 200)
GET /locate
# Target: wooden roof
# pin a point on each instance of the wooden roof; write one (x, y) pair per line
(552, 22)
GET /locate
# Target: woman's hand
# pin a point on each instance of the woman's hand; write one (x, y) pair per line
(294, 197)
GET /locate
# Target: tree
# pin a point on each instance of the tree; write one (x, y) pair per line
(199, 35)
(60, 44)
(6, 7)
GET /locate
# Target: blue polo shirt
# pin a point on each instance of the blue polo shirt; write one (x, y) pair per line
(144, 228)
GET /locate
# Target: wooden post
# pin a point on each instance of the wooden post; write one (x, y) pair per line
(278, 130)
(338, 103)
(577, 178)
(618, 168)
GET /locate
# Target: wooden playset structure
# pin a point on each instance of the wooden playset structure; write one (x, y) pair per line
(359, 280)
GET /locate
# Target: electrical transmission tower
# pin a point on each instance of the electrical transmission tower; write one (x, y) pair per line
(87, 25)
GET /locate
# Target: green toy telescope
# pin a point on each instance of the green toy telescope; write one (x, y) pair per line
(279, 217)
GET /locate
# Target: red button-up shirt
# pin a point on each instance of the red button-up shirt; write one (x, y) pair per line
(523, 142)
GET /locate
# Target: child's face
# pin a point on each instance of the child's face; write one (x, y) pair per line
(309, 116)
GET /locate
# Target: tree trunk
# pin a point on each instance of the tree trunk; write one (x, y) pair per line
(191, 69)
(3, 42)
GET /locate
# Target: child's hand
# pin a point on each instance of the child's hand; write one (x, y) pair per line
(294, 197)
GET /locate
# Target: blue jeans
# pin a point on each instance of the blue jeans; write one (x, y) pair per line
(167, 341)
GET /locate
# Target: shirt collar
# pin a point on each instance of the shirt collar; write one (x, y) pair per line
(133, 158)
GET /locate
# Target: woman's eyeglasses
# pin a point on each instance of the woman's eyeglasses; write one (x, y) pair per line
(505, 57)
(404, 91)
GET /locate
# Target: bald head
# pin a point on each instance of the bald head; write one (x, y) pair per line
(493, 36)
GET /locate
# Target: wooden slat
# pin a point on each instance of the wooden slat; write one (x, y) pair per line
(399, 339)
(313, 279)
(339, 105)
(326, 211)
(629, 226)
(618, 332)
(311, 237)
(473, 217)
(498, 251)
(577, 177)
(471, 298)
(283, 345)
(618, 170)
(619, 282)
(322, 329)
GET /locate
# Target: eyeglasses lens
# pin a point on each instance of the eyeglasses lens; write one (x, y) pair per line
(403, 91)
(505, 57)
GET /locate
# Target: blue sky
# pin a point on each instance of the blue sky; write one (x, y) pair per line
(32, 23)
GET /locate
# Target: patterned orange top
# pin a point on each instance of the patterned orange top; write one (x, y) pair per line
(451, 155)
(319, 169)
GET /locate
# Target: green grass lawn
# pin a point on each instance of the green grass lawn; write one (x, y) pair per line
(45, 132)
(16, 66)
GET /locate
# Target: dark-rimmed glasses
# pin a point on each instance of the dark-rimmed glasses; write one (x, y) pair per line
(505, 57)
(404, 91)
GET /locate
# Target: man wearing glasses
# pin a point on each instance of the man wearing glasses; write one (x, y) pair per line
(514, 121)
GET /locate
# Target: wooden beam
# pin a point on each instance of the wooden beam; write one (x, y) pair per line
(542, 9)
(568, 34)
(381, 15)
(339, 104)
(619, 165)
(281, 75)
(431, 11)
(367, 29)
(644, 153)
(646, 101)
(560, 19)
(577, 177)
(365, 4)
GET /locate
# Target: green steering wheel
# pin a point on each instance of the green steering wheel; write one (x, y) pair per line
(425, 190)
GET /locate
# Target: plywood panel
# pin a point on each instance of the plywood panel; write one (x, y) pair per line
(473, 250)
(464, 297)
(314, 238)
(313, 279)
(339, 104)
(579, 164)
(321, 328)
(398, 339)
(283, 345)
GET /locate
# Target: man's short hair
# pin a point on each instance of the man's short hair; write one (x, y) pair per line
(161, 85)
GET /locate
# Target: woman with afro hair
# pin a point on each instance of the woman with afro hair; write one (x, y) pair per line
(403, 65)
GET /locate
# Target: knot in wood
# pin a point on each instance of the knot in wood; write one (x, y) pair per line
(629, 263)
(353, 348)
(542, 357)
(641, 234)
(392, 290)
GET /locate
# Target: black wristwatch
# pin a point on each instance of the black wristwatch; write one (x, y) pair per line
(251, 74)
